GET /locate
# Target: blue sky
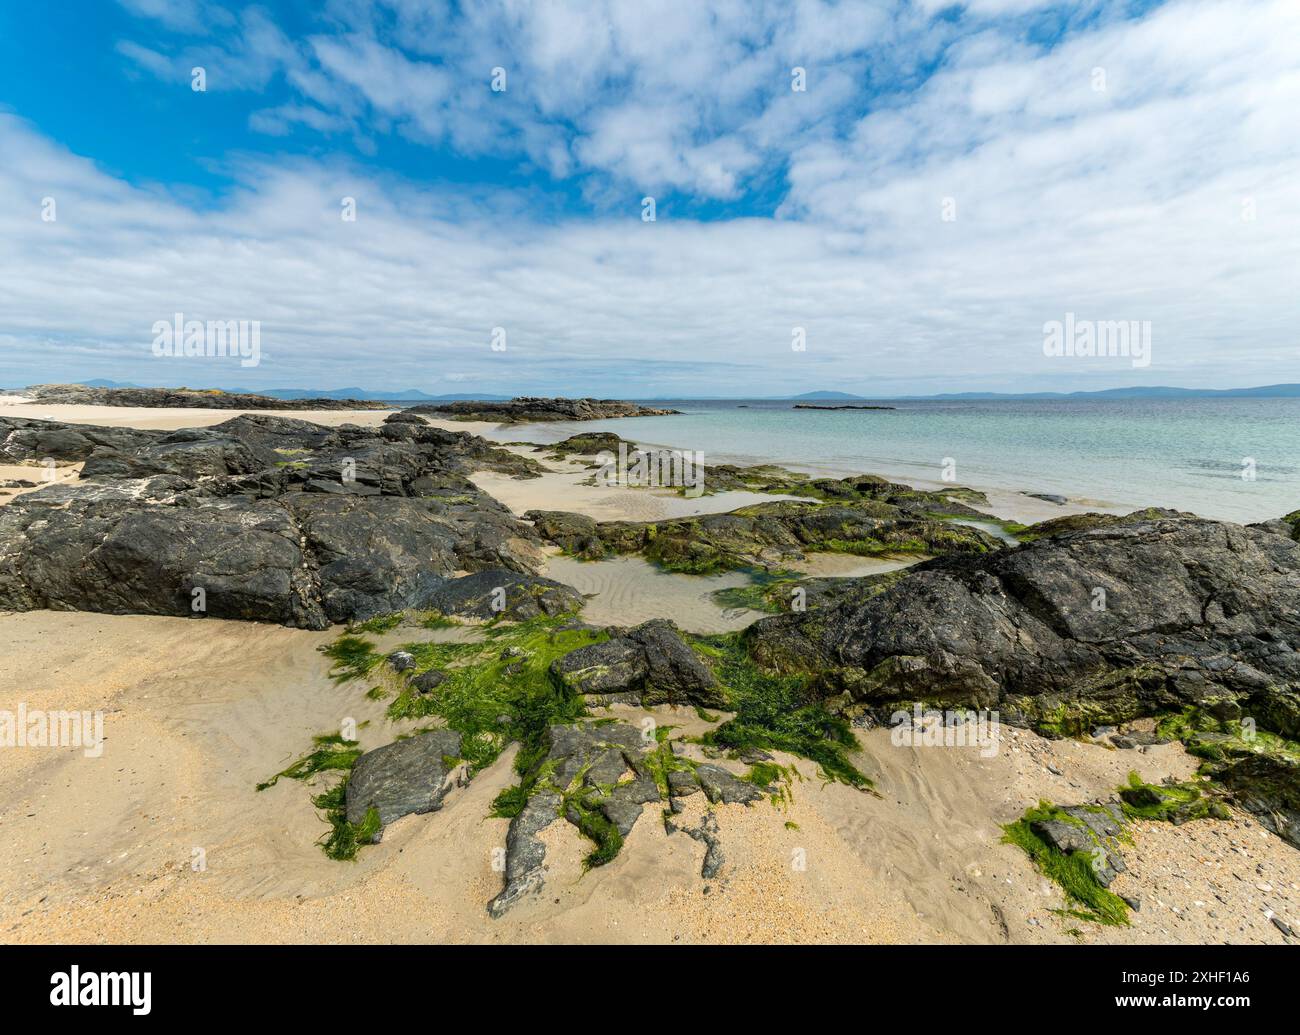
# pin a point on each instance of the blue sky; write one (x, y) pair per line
(953, 176)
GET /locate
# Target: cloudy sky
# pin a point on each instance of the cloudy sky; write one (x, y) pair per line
(950, 177)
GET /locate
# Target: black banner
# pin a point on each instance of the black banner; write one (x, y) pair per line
(210, 983)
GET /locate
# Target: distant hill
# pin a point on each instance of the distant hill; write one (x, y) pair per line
(396, 395)
(820, 395)
(1279, 391)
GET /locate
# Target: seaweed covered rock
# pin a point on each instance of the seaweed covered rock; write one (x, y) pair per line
(647, 666)
(765, 535)
(599, 776)
(1092, 519)
(406, 777)
(1091, 829)
(586, 444)
(502, 593)
(1100, 625)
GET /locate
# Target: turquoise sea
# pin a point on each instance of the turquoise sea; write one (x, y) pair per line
(1189, 454)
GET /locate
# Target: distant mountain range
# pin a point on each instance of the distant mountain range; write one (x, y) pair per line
(398, 395)
(1278, 391)
(1281, 391)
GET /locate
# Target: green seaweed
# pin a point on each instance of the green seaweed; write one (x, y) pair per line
(1073, 872)
(379, 624)
(353, 657)
(774, 712)
(1177, 802)
(344, 839)
(332, 752)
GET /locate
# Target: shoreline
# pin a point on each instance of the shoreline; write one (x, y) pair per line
(563, 489)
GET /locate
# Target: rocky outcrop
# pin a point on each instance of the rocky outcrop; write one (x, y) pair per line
(500, 593)
(531, 409)
(209, 399)
(599, 777)
(1103, 624)
(407, 777)
(264, 518)
(649, 665)
(765, 535)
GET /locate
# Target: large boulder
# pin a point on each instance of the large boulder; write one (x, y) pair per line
(231, 559)
(1103, 624)
(649, 665)
(266, 518)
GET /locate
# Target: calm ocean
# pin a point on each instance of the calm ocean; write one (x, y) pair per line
(1188, 454)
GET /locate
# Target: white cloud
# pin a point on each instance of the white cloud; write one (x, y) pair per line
(1126, 203)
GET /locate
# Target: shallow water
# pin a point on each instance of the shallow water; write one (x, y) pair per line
(1189, 454)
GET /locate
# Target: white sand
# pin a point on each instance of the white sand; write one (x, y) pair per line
(101, 850)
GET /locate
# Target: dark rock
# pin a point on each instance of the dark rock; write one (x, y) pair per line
(706, 832)
(502, 593)
(765, 535)
(649, 665)
(405, 777)
(428, 681)
(1196, 611)
(401, 660)
(1266, 784)
(721, 786)
(272, 518)
(531, 409)
(525, 864)
(85, 395)
(1093, 830)
(682, 783)
(587, 444)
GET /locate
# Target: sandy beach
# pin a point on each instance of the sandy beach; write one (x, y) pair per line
(105, 849)
(164, 838)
